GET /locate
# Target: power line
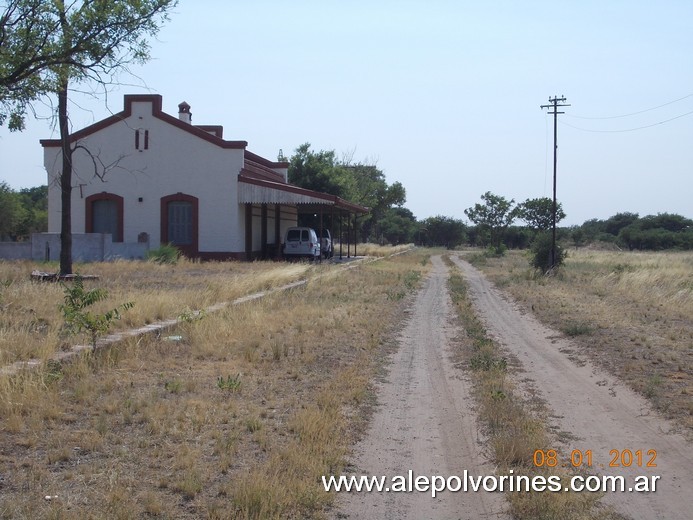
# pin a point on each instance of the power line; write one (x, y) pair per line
(627, 129)
(638, 112)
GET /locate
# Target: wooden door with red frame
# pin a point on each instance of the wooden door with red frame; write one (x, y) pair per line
(179, 223)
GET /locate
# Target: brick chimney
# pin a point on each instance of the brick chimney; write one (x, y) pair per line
(184, 113)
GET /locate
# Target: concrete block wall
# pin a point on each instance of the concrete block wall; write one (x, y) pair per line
(86, 247)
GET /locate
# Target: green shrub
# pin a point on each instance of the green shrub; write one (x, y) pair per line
(485, 361)
(165, 254)
(541, 253)
(230, 383)
(577, 329)
(79, 319)
(495, 251)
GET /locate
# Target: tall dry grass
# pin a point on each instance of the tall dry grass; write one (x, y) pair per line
(369, 249)
(630, 312)
(233, 415)
(30, 322)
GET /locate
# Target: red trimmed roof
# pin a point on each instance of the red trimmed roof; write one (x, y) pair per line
(156, 101)
(217, 130)
(258, 167)
(265, 162)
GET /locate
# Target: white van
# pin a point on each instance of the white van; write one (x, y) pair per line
(301, 242)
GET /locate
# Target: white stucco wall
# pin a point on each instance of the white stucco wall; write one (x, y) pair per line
(176, 161)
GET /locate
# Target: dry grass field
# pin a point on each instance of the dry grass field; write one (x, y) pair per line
(30, 321)
(236, 418)
(630, 312)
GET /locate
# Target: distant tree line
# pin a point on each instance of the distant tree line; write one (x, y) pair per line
(630, 231)
(493, 223)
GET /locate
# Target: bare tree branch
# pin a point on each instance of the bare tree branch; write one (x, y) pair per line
(101, 169)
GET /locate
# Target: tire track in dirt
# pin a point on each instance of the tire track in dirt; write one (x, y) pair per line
(591, 405)
(424, 422)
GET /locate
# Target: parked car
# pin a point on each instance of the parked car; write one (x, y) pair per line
(326, 245)
(301, 242)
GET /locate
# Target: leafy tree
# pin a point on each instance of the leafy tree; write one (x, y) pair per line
(592, 228)
(34, 201)
(657, 232)
(35, 197)
(100, 37)
(398, 226)
(684, 239)
(318, 171)
(613, 225)
(667, 221)
(22, 213)
(360, 183)
(41, 41)
(443, 231)
(652, 232)
(494, 216)
(538, 213)
(53, 45)
(577, 235)
(517, 237)
(11, 211)
(26, 50)
(476, 236)
(366, 185)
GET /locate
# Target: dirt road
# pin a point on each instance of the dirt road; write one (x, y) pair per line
(597, 411)
(424, 422)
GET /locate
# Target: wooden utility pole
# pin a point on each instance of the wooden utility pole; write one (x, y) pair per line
(555, 103)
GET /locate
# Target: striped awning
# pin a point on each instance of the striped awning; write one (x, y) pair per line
(262, 191)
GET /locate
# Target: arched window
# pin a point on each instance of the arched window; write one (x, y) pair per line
(104, 214)
(179, 222)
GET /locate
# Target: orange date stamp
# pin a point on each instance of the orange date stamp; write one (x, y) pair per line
(584, 459)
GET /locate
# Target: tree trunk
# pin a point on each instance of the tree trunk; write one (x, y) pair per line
(65, 183)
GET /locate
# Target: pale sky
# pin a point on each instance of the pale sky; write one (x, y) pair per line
(444, 96)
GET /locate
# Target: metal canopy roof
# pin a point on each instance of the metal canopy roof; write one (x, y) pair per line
(262, 191)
